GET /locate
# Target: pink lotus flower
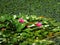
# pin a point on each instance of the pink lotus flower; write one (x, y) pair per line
(38, 24)
(21, 20)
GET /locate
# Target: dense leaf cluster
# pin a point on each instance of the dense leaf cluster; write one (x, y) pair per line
(12, 32)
